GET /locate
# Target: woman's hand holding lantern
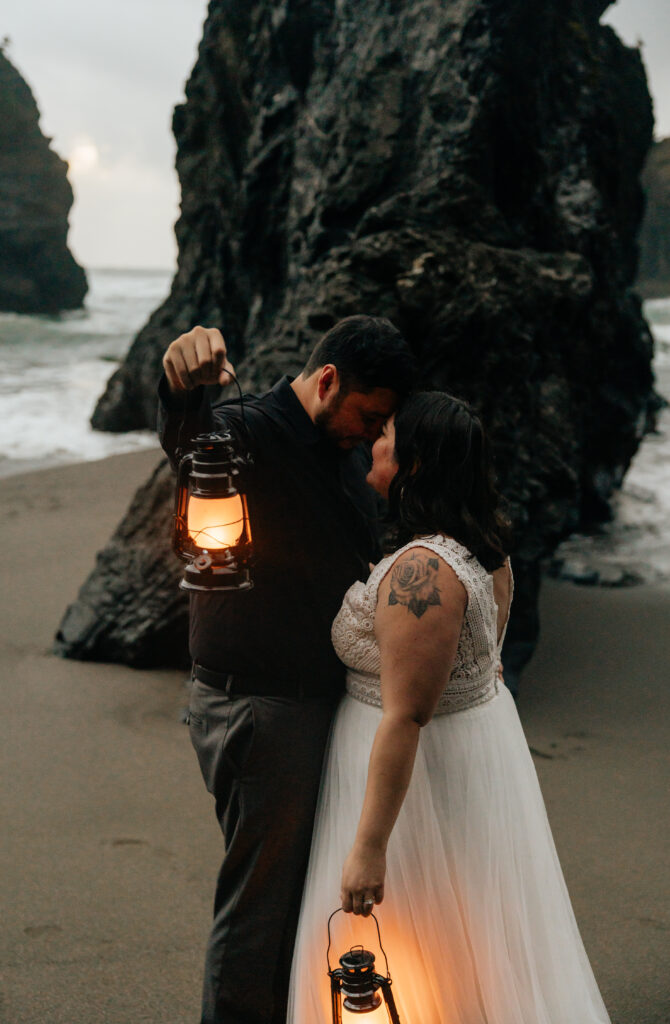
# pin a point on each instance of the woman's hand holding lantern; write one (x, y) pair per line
(363, 879)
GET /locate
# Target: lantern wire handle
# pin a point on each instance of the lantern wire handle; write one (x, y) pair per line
(241, 400)
(379, 937)
(237, 384)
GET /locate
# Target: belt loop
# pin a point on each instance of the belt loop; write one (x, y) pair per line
(229, 685)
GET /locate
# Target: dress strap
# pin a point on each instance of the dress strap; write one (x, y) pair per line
(509, 605)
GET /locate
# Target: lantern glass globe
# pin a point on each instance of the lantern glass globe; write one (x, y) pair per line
(215, 523)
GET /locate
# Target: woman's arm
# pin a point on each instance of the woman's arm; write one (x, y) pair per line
(420, 609)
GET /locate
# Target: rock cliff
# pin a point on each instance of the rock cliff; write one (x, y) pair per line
(37, 271)
(654, 271)
(469, 169)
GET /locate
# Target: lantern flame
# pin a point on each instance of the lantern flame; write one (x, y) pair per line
(215, 523)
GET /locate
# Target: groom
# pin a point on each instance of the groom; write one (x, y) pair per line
(265, 677)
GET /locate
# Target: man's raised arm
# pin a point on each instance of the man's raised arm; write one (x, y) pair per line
(192, 361)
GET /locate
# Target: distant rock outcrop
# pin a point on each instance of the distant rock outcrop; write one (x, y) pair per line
(37, 271)
(470, 170)
(654, 271)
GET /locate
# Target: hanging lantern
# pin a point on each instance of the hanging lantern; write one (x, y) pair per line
(356, 988)
(211, 521)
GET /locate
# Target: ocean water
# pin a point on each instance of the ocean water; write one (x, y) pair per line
(635, 546)
(53, 369)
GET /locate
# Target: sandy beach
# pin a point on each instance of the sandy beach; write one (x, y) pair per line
(109, 845)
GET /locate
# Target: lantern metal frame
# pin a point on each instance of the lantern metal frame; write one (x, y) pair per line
(213, 469)
(358, 980)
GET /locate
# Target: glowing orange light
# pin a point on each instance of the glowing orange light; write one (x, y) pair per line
(215, 523)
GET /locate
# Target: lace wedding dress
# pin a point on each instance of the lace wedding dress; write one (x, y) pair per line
(476, 921)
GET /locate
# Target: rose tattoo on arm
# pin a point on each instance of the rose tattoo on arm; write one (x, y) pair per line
(413, 583)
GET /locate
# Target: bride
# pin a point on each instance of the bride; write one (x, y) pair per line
(430, 807)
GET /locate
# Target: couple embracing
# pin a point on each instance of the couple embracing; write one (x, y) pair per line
(349, 714)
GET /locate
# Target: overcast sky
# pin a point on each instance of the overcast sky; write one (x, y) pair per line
(106, 77)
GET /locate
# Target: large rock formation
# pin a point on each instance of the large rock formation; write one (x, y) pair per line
(37, 271)
(654, 270)
(469, 169)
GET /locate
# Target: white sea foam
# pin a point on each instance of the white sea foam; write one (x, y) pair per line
(53, 370)
(657, 312)
(635, 546)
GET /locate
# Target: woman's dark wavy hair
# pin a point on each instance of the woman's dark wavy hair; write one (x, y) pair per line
(445, 481)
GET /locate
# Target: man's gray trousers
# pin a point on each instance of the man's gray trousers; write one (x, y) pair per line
(261, 759)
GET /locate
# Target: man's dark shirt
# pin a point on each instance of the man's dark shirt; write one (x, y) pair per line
(314, 531)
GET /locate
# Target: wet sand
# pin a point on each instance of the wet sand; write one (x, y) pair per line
(110, 849)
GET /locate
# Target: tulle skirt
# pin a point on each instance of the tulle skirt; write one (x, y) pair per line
(476, 921)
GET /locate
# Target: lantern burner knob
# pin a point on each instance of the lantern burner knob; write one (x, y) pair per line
(203, 561)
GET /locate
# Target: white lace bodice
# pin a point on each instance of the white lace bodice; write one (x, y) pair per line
(474, 677)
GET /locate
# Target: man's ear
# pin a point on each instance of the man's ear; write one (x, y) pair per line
(328, 382)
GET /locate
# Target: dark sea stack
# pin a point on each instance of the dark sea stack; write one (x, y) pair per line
(654, 270)
(130, 609)
(469, 169)
(38, 274)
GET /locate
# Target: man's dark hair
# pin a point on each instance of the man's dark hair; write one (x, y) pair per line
(369, 352)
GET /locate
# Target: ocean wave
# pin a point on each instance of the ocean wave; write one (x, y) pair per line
(54, 368)
(635, 546)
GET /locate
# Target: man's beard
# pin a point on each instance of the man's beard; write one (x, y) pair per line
(323, 421)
